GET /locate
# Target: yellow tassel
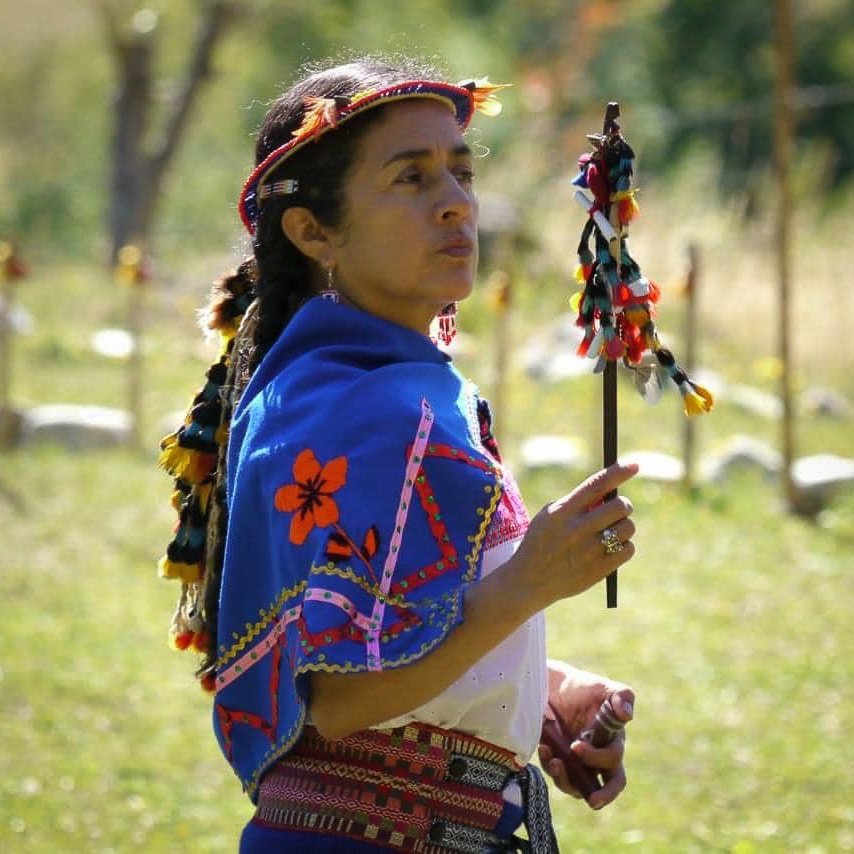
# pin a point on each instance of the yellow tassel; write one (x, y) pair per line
(185, 463)
(189, 573)
(698, 400)
(575, 301)
(636, 314)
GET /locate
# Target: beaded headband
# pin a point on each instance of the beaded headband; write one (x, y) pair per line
(323, 114)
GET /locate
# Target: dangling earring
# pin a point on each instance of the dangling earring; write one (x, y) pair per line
(330, 292)
(448, 323)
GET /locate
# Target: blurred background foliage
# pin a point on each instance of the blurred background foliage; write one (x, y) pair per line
(692, 75)
(734, 620)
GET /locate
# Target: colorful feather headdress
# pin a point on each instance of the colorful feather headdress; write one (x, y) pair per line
(324, 114)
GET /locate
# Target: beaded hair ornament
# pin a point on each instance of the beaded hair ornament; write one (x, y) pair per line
(324, 114)
(194, 453)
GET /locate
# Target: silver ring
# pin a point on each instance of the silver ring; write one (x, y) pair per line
(611, 542)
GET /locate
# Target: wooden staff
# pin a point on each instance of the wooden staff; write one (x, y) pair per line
(609, 447)
(609, 391)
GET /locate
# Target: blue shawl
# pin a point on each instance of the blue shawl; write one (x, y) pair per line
(359, 496)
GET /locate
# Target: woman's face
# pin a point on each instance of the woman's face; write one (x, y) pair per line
(408, 246)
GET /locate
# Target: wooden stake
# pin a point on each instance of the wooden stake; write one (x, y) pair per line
(783, 130)
(500, 282)
(6, 333)
(688, 424)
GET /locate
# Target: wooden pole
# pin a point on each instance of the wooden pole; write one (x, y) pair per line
(10, 270)
(6, 333)
(609, 447)
(500, 282)
(688, 425)
(783, 132)
(130, 271)
(135, 324)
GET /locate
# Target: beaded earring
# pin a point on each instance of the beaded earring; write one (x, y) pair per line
(448, 323)
(330, 292)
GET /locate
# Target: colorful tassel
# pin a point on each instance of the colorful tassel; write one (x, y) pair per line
(616, 308)
(190, 455)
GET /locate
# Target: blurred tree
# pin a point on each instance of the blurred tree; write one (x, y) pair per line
(139, 166)
(707, 71)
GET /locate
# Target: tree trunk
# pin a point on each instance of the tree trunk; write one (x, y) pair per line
(138, 166)
(129, 186)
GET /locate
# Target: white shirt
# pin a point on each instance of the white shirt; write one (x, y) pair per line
(501, 698)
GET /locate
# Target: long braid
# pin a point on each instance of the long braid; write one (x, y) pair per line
(284, 282)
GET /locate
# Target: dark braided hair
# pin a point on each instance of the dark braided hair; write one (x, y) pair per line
(284, 278)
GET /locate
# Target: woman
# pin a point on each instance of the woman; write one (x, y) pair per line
(375, 586)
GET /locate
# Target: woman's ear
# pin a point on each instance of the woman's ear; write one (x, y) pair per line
(301, 227)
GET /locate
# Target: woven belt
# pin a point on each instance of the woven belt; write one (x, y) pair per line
(414, 788)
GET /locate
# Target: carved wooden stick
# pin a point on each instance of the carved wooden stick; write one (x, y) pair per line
(605, 728)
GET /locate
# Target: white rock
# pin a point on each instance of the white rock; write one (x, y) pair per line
(19, 320)
(76, 427)
(547, 450)
(818, 478)
(742, 452)
(656, 465)
(825, 401)
(755, 401)
(113, 343)
(822, 471)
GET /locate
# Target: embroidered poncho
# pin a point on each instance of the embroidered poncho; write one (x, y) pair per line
(359, 498)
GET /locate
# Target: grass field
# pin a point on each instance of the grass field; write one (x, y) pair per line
(734, 624)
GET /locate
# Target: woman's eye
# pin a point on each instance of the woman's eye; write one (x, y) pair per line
(411, 176)
(465, 175)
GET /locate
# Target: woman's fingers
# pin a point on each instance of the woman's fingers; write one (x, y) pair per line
(614, 783)
(607, 758)
(593, 490)
(607, 514)
(557, 771)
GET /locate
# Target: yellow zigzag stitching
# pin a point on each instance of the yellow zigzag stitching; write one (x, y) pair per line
(349, 667)
(350, 575)
(478, 538)
(253, 631)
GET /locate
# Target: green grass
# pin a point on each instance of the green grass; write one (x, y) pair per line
(733, 625)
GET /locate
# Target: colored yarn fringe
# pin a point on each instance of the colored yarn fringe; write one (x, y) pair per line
(616, 307)
(190, 455)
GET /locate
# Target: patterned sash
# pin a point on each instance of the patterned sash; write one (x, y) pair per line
(414, 788)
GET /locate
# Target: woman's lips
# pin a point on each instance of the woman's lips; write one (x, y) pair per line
(457, 248)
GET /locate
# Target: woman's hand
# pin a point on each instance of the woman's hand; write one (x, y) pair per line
(575, 697)
(563, 552)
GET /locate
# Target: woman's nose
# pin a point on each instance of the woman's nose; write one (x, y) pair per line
(456, 201)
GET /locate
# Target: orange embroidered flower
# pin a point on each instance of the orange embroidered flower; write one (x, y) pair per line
(309, 498)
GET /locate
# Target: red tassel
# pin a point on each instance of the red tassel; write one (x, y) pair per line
(182, 640)
(201, 642)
